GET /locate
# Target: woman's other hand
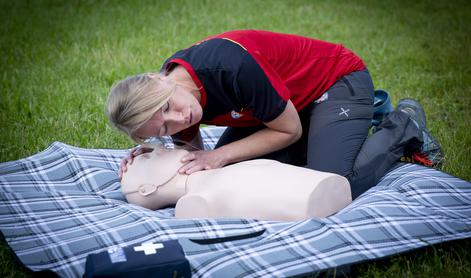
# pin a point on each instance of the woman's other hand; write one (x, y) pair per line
(202, 160)
(130, 157)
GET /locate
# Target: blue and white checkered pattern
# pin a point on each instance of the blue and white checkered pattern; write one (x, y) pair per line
(61, 204)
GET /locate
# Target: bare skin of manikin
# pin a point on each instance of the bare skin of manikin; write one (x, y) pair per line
(257, 189)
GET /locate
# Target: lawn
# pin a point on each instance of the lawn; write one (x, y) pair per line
(59, 59)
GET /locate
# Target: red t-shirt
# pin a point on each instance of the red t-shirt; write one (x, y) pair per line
(245, 77)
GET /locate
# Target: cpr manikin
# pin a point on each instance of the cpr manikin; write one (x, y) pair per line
(258, 189)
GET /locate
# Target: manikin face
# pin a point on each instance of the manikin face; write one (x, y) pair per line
(180, 112)
(150, 180)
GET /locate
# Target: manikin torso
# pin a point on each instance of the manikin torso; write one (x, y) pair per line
(257, 189)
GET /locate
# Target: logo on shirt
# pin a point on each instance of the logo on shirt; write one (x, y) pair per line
(235, 115)
(323, 98)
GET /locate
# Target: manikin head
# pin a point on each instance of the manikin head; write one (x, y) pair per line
(152, 180)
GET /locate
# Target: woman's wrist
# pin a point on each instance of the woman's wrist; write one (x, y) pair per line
(224, 155)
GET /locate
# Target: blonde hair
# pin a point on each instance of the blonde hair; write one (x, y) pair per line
(133, 101)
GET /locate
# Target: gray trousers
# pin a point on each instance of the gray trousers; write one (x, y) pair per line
(335, 135)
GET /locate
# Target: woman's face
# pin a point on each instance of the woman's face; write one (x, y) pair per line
(180, 112)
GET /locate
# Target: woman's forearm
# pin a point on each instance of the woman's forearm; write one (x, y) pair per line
(259, 143)
(279, 133)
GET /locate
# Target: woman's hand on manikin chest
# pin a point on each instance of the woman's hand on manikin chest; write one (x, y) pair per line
(202, 160)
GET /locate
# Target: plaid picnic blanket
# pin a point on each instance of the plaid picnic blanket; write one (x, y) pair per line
(59, 205)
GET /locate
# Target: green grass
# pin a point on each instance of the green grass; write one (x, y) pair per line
(59, 58)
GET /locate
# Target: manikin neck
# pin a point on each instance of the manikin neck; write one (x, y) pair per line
(177, 185)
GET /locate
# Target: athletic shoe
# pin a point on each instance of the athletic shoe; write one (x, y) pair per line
(415, 111)
(430, 153)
